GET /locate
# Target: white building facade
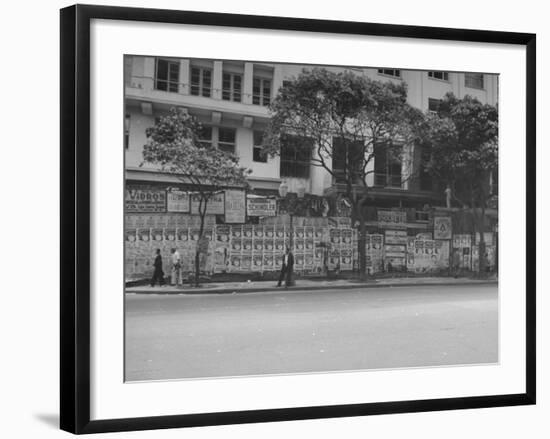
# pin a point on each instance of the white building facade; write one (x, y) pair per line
(231, 100)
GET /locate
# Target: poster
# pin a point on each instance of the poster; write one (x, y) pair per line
(214, 206)
(392, 218)
(261, 206)
(235, 206)
(177, 201)
(442, 227)
(143, 199)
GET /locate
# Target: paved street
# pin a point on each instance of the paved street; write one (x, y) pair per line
(189, 336)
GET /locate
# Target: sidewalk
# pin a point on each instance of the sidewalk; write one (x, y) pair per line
(304, 285)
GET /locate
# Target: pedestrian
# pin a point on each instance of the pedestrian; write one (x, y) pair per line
(287, 268)
(158, 274)
(455, 263)
(176, 275)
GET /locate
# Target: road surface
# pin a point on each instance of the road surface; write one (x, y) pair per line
(191, 336)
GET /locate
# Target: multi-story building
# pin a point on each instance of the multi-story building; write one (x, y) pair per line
(231, 99)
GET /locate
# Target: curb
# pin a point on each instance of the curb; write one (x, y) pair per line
(306, 288)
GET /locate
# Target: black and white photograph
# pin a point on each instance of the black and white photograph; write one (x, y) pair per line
(299, 219)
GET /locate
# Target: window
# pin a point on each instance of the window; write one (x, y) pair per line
(474, 80)
(127, 131)
(232, 87)
(201, 81)
(167, 75)
(261, 91)
(444, 76)
(205, 136)
(226, 139)
(347, 160)
(390, 72)
(257, 155)
(387, 166)
(433, 105)
(295, 156)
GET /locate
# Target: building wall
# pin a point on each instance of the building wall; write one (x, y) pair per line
(144, 102)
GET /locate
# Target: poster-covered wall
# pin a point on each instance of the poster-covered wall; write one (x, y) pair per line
(318, 244)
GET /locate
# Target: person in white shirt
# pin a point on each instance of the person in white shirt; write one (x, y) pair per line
(176, 275)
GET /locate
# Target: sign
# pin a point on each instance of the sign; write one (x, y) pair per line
(235, 206)
(214, 206)
(392, 218)
(261, 206)
(398, 237)
(442, 227)
(145, 200)
(177, 201)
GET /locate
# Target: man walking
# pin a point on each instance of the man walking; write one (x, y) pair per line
(287, 268)
(158, 274)
(175, 275)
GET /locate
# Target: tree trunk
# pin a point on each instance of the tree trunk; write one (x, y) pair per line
(482, 245)
(361, 251)
(202, 214)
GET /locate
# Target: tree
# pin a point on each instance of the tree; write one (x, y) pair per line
(173, 143)
(463, 140)
(340, 121)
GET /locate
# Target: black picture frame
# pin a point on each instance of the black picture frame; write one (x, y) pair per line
(75, 217)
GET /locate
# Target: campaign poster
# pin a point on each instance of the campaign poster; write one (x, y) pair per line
(223, 234)
(221, 259)
(299, 232)
(280, 245)
(376, 242)
(157, 235)
(131, 236)
(247, 245)
(299, 261)
(318, 234)
(310, 245)
(144, 235)
(269, 245)
(334, 237)
(258, 232)
(236, 245)
(346, 258)
(269, 232)
(170, 235)
(279, 231)
(235, 263)
(346, 237)
(246, 263)
(299, 245)
(310, 231)
(268, 262)
(443, 227)
(278, 261)
(334, 259)
(236, 232)
(248, 231)
(183, 234)
(258, 245)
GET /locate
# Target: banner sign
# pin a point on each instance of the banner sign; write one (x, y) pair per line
(398, 237)
(392, 218)
(235, 206)
(261, 206)
(442, 227)
(214, 206)
(145, 200)
(177, 201)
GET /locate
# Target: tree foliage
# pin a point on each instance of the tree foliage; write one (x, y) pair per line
(463, 140)
(174, 145)
(346, 118)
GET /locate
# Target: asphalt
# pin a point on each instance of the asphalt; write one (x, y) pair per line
(194, 336)
(304, 285)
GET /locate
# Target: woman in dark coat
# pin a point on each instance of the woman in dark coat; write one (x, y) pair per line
(158, 274)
